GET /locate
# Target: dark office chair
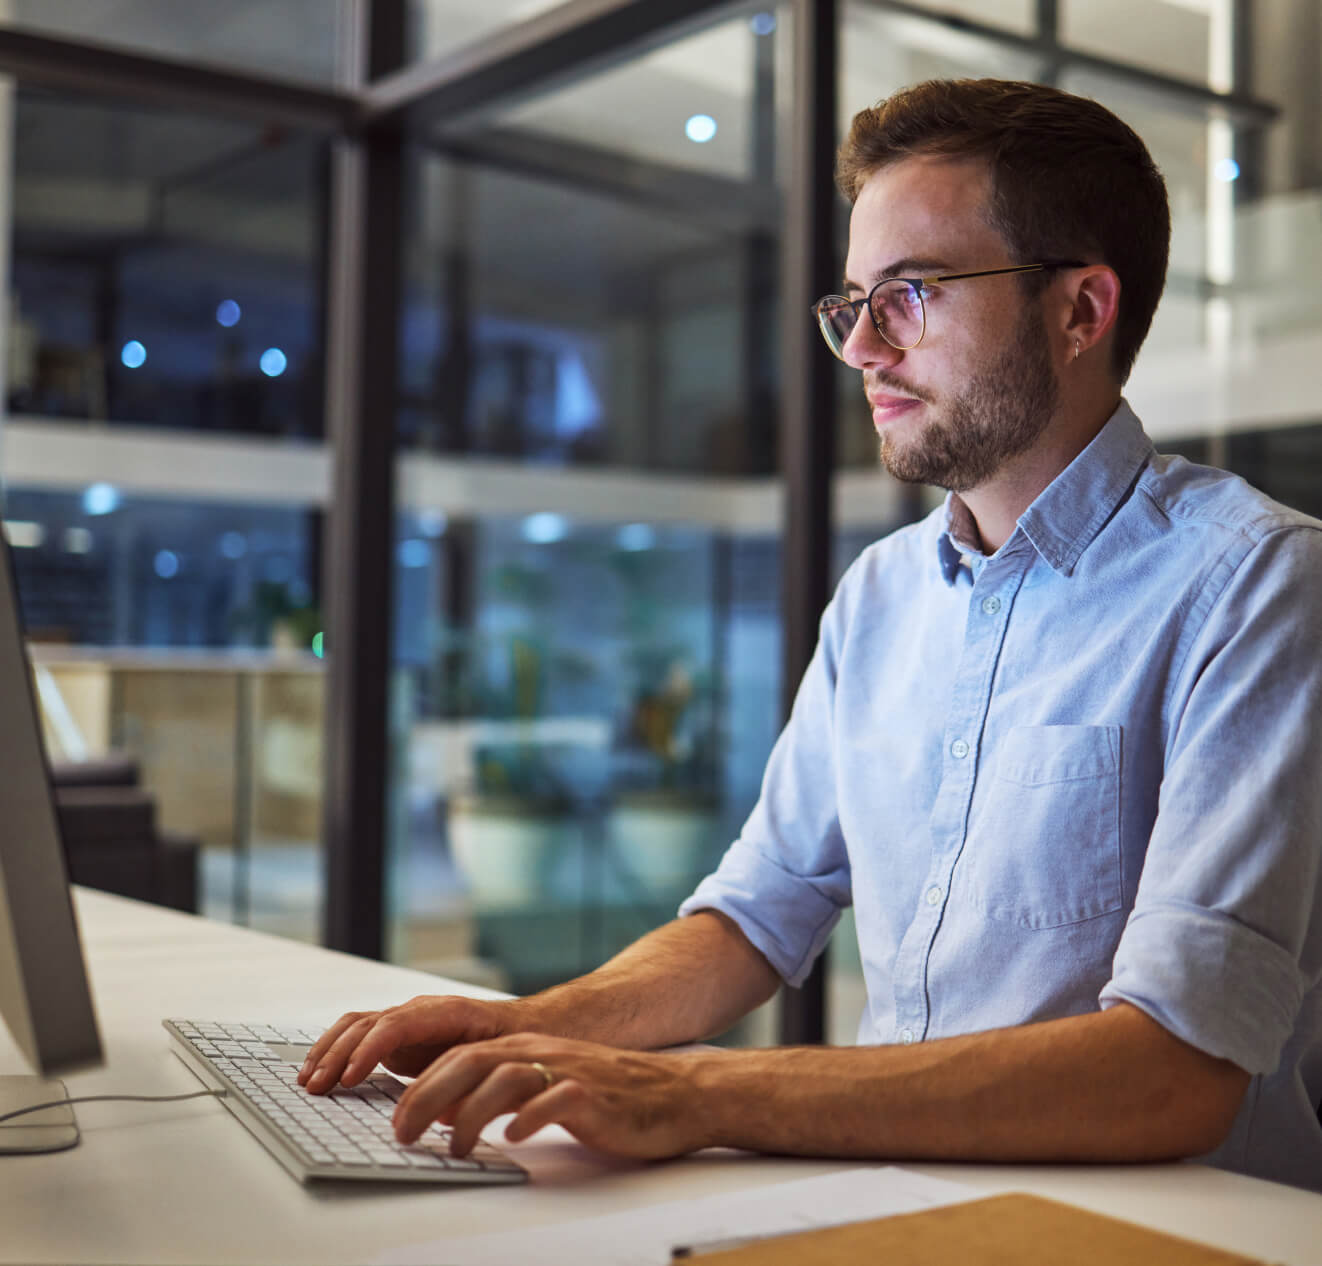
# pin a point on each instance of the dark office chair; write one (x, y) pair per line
(111, 840)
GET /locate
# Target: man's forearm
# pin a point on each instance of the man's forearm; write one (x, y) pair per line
(1113, 1086)
(688, 980)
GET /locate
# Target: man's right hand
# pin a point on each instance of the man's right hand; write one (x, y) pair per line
(406, 1039)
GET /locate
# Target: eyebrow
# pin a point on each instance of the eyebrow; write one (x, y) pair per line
(909, 266)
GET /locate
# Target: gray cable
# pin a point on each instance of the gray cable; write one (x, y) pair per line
(59, 1103)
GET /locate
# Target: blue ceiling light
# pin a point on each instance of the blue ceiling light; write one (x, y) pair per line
(228, 313)
(700, 128)
(545, 528)
(133, 354)
(234, 545)
(763, 23)
(414, 553)
(273, 362)
(166, 564)
(1226, 170)
(101, 499)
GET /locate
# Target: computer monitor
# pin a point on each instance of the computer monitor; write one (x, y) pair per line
(44, 997)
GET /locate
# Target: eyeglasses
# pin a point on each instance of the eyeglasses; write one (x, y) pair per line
(896, 306)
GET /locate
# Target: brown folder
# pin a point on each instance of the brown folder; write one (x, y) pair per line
(1011, 1230)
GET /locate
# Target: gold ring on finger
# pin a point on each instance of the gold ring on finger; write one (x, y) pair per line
(547, 1075)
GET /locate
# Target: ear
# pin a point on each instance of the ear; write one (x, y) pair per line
(1088, 314)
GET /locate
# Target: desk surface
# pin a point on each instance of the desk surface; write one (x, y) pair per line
(184, 1182)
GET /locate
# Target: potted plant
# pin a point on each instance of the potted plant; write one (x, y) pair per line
(664, 817)
(513, 824)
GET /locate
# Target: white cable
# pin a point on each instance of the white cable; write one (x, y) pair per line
(59, 1103)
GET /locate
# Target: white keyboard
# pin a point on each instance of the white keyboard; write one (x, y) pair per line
(342, 1135)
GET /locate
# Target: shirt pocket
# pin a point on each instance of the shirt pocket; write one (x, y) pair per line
(1044, 847)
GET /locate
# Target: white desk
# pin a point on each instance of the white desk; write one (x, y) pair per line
(184, 1182)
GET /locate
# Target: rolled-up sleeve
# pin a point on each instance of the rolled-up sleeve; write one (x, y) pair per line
(785, 880)
(1224, 941)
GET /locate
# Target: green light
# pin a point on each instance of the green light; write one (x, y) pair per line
(319, 645)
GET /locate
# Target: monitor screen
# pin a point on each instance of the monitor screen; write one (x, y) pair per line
(44, 997)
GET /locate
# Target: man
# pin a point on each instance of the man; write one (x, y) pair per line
(1059, 743)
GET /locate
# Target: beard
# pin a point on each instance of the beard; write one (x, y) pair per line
(996, 417)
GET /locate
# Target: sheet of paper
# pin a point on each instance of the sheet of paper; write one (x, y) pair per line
(647, 1236)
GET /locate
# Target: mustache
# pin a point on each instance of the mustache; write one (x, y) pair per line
(874, 378)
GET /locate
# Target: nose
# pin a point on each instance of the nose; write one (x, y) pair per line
(865, 347)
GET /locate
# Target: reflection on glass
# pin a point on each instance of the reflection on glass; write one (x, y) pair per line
(882, 50)
(297, 38)
(1285, 462)
(165, 270)
(439, 27)
(685, 106)
(1172, 37)
(1177, 141)
(572, 753)
(552, 322)
(1019, 16)
(179, 634)
(587, 661)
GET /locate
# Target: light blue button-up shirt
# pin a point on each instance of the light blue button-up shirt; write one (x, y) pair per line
(1084, 770)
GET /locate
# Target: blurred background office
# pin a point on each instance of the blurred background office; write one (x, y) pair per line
(459, 332)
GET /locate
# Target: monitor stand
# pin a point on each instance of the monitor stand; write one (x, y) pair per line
(53, 1130)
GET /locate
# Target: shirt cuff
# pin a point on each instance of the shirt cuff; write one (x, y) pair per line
(784, 916)
(1209, 980)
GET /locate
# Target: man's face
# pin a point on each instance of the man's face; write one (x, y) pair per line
(980, 387)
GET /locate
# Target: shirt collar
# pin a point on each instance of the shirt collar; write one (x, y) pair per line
(957, 537)
(1072, 509)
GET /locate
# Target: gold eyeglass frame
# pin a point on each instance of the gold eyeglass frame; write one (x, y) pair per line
(917, 285)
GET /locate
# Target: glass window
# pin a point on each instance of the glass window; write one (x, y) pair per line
(297, 38)
(684, 105)
(1285, 462)
(1019, 16)
(1172, 37)
(438, 27)
(521, 342)
(881, 51)
(166, 279)
(588, 654)
(186, 637)
(165, 270)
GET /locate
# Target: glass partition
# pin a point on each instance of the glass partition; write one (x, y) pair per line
(296, 38)
(587, 649)
(163, 378)
(438, 27)
(166, 270)
(1172, 37)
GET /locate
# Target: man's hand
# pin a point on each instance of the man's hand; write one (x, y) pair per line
(628, 1103)
(405, 1038)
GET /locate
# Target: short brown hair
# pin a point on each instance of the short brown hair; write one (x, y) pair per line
(1069, 179)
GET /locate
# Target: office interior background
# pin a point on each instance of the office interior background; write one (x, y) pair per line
(404, 403)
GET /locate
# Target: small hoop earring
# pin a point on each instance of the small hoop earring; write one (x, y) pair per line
(1076, 349)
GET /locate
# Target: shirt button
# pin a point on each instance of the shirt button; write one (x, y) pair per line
(906, 1036)
(959, 749)
(991, 605)
(934, 896)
